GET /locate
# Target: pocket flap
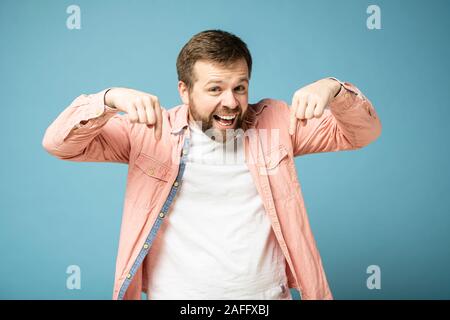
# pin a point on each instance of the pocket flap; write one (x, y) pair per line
(274, 157)
(152, 167)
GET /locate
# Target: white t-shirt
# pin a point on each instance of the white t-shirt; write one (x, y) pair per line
(216, 242)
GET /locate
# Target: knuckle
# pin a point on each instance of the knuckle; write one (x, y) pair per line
(148, 99)
(301, 94)
(138, 103)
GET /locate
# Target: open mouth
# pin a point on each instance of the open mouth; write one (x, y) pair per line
(225, 121)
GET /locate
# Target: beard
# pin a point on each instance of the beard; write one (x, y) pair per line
(207, 122)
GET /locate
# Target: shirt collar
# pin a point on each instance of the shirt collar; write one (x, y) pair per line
(181, 119)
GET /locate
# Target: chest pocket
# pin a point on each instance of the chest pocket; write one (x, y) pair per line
(280, 170)
(153, 167)
(274, 157)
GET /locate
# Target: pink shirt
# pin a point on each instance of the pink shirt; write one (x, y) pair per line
(87, 130)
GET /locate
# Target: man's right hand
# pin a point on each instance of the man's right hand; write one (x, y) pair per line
(141, 107)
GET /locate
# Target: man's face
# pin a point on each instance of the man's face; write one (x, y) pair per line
(219, 97)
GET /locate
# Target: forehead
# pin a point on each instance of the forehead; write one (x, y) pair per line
(209, 71)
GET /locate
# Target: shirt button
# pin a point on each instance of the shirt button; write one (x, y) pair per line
(129, 276)
(146, 246)
(185, 152)
(176, 184)
(161, 214)
(151, 171)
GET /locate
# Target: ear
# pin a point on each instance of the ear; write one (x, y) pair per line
(184, 92)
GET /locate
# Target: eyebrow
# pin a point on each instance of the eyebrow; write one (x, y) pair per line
(220, 81)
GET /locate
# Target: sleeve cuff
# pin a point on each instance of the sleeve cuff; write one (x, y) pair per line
(346, 97)
(348, 86)
(98, 104)
(97, 108)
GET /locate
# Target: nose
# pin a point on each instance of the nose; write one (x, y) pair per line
(229, 100)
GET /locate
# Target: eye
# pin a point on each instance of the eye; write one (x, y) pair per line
(240, 88)
(214, 89)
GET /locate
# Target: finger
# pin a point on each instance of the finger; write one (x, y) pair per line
(300, 114)
(132, 113)
(140, 108)
(302, 103)
(318, 111)
(292, 116)
(309, 111)
(159, 120)
(149, 111)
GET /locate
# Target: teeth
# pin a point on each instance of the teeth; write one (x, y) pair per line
(227, 117)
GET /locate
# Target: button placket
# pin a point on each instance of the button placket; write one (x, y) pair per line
(161, 215)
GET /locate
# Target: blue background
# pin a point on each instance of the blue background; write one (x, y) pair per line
(385, 205)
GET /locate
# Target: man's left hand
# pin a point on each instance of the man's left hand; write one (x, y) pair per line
(310, 101)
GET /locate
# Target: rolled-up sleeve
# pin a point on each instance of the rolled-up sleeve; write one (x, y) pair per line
(349, 122)
(88, 130)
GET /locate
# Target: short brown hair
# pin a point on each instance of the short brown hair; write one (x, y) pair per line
(211, 45)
